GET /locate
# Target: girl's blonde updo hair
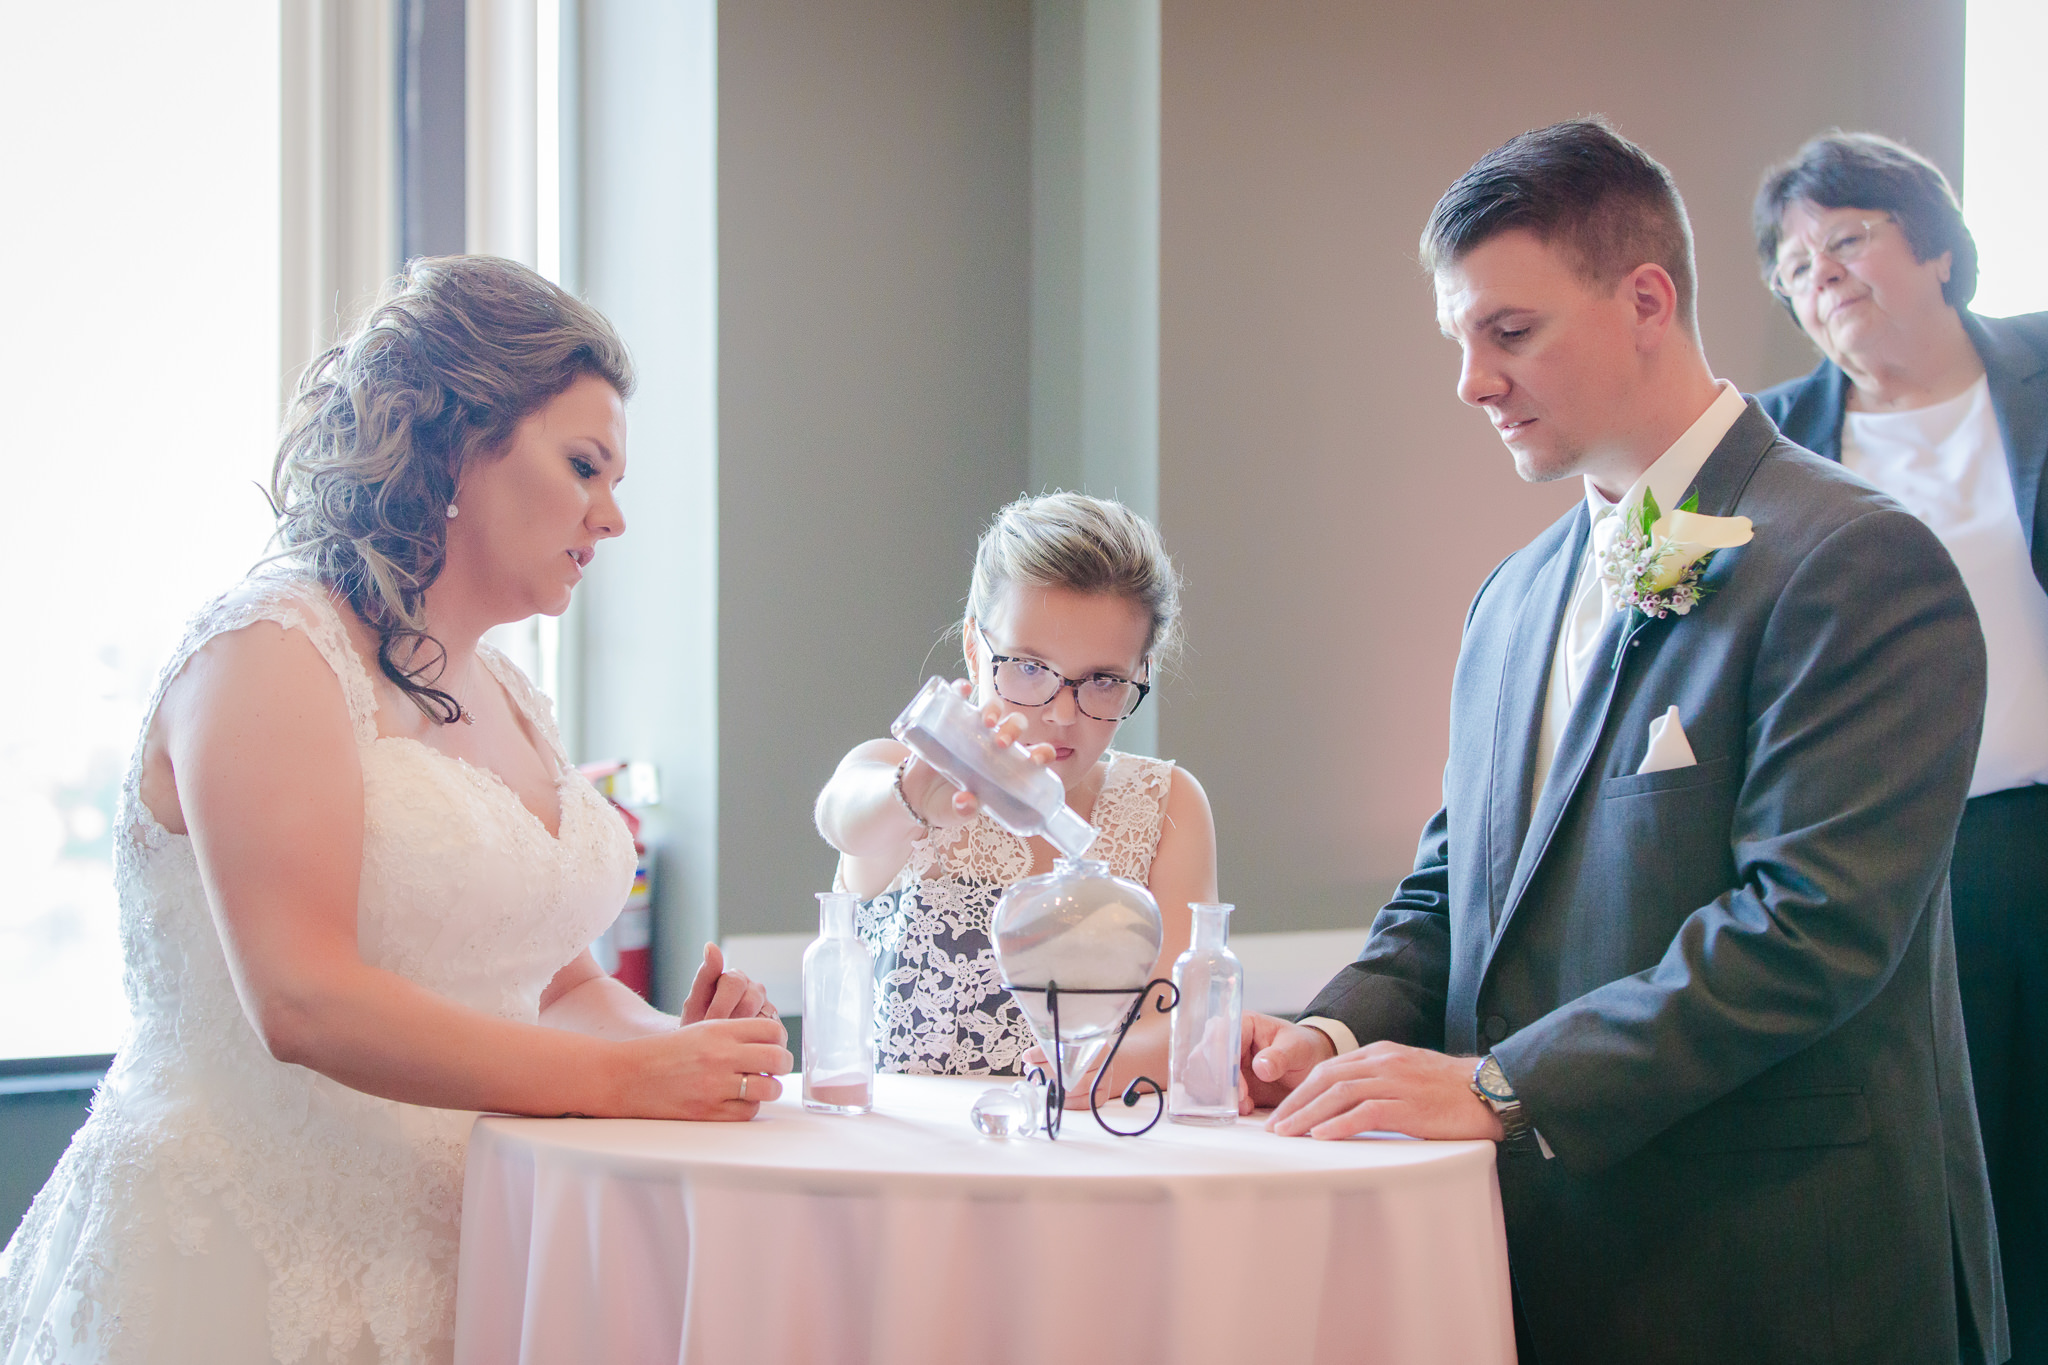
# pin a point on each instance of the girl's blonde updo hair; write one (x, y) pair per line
(455, 353)
(1088, 545)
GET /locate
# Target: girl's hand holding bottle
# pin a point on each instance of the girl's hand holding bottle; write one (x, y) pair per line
(933, 799)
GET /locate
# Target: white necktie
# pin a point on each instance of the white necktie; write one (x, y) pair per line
(1586, 616)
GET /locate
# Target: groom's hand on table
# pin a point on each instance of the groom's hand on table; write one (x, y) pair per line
(1382, 1087)
(1277, 1056)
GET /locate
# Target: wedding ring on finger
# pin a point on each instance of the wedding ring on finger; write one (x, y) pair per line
(743, 1088)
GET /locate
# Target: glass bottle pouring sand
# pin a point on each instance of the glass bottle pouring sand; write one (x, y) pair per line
(944, 730)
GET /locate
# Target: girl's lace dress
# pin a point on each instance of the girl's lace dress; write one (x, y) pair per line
(940, 1007)
(221, 1206)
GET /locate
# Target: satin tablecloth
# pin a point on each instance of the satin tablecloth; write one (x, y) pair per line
(902, 1237)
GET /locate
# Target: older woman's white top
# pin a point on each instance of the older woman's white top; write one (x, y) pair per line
(220, 1205)
(1947, 464)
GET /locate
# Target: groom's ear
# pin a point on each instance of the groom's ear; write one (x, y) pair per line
(1654, 300)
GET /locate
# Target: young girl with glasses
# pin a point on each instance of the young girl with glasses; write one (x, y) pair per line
(1072, 606)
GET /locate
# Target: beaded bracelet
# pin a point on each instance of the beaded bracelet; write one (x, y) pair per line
(903, 800)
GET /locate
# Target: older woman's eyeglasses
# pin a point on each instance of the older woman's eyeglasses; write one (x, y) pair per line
(1794, 274)
(1027, 682)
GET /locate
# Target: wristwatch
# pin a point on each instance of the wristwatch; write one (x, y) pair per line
(1490, 1084)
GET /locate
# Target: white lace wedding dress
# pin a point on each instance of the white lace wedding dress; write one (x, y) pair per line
(222, 1207)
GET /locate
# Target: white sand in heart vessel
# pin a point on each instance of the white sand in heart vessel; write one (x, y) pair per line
(1084, 929)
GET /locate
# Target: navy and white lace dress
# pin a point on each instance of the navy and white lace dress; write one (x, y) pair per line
(940, 1006)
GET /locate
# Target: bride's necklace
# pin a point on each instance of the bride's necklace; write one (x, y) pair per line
(462, 712)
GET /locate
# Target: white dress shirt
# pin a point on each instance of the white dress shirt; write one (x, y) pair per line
(1947, 465)
(1586, 613)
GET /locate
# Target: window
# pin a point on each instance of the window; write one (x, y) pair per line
(544, 647)
(2004, 125)
(141, 356)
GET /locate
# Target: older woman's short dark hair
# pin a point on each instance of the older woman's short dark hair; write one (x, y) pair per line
(1578, 185)
(1840, 170)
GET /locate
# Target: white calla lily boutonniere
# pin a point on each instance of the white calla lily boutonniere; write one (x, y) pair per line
(1653, 567)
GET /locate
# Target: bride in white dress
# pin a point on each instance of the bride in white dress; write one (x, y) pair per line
(358, 877)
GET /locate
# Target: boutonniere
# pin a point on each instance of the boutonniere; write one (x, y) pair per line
(1653, 567)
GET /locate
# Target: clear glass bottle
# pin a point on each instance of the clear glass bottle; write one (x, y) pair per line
(1208, 1023)
(1086, 930)
(839, 1012)
(944, 730)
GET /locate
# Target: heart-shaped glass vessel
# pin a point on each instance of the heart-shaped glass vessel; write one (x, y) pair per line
(1094, 935)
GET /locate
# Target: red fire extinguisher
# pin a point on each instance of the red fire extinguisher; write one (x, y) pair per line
(626, 949)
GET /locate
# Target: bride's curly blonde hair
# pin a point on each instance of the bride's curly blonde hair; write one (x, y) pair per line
(455, 352)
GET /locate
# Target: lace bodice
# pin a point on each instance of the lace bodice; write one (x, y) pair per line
(940, 1006)
(350, 1203)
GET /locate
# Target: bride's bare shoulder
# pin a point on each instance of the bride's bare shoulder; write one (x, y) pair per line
(276, 635)
(257, 689)
(264, 656)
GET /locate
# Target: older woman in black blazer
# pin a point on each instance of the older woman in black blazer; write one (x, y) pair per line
(1864, 243)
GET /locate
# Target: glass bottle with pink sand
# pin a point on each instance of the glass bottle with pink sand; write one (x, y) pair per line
(839, 1012)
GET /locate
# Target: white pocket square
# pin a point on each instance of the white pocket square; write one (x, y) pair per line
(1669, 747)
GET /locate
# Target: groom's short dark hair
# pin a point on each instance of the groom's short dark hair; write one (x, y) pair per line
(1578, 185)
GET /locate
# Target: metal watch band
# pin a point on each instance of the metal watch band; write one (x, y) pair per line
(1513, 1121)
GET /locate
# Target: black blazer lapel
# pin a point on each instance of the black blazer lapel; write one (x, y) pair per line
(1720, 483)
(1518, 712)
(1815, 418)
(1575, 747)
(2018, 377)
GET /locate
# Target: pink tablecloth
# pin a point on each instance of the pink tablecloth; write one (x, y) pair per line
(901, 1237)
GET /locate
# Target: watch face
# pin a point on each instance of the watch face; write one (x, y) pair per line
(1493, 1083)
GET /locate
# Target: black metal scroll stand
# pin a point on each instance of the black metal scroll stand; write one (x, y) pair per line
(1055, 1084)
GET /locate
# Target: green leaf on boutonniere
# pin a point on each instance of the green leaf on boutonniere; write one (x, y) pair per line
(1649, 511)
(1691, 503)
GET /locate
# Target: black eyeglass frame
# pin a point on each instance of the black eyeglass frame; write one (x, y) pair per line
(995, 660)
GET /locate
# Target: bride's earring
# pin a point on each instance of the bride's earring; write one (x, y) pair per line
(451, 511)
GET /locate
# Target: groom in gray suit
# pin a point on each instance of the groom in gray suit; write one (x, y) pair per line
(1679, 937)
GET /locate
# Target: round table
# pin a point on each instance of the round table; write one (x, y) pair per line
(902, 1236)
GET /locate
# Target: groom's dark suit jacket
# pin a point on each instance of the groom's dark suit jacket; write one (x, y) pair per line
(1725, 993)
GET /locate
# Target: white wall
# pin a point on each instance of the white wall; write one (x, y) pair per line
(648, 612)
(811, 222)
(1334, 505)
(874, 335)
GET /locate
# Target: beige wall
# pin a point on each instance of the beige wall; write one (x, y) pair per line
(1332, 503)
(834, 323)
